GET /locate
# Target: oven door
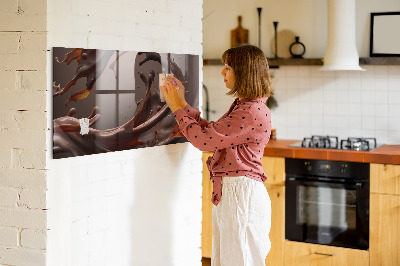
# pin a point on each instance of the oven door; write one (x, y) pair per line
(327, 213)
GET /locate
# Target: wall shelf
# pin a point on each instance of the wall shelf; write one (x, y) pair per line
(274, 63)
(380, 61)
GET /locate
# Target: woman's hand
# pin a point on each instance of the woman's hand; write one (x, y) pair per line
(181, 91)
(174, 93)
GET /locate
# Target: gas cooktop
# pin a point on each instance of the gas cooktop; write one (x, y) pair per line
(332, 142)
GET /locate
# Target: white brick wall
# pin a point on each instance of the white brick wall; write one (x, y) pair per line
(22, 132)
(34, 239)
(137, 207)
(99, 206)
(9, 237)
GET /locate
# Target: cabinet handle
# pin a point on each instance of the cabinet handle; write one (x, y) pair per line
(325, 254)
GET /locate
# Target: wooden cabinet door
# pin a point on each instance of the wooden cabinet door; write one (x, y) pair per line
(274, 168)
(206, 232)
(385, 178)
(277, 233)
(384, 236)
(305, 254)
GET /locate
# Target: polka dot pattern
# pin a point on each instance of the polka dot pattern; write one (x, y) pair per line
(238, 139)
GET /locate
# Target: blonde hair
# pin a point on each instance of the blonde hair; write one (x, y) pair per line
(250, 66)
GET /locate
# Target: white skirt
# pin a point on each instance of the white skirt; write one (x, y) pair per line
(241, 223)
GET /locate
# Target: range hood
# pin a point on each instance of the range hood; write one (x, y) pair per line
(341, 51)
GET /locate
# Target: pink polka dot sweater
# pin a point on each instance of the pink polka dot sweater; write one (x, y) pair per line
(238, 139)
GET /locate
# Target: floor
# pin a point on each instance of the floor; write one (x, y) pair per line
(206, 261)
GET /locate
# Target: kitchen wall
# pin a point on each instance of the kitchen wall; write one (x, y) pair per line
(345, 103)
(304, 18)
(313, 102)
(342, 103)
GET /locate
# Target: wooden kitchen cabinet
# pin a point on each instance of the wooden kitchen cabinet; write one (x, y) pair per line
(384, 236)
(277, 233)
(385, 178)
(274, 168)
(206, 232)
(306, 254)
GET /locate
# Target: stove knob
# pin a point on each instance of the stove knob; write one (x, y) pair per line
(343, 168)
(308, 166)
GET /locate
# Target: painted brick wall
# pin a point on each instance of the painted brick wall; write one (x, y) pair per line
(140, 207)
(23, 132)
(137, 207)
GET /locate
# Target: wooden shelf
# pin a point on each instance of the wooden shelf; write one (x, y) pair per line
(380, 61)
(274, 63)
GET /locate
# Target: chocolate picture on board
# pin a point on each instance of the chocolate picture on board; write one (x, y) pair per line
(109, 100)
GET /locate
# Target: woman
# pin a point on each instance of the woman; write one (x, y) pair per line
(241, 213)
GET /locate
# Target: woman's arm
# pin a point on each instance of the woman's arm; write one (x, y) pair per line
(193, 113)
(235, 129)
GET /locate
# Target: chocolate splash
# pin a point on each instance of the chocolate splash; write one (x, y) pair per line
(88, 64)
(150, 125)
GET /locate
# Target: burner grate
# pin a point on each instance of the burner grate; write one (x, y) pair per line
(327, 142)
(332, 142)
(358, 144)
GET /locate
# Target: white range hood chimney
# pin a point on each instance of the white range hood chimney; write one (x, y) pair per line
(341, 51)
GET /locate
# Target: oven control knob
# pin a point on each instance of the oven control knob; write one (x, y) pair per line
(343, 168)
(308, 166)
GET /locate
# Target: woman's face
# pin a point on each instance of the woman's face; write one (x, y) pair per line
(229, 76)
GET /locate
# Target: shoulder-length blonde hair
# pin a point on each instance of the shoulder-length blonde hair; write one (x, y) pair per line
(250, 66)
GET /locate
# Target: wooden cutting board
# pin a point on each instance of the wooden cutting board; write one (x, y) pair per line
(239, 35)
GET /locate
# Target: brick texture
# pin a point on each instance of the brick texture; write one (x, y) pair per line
(90, 192)
(23, 128)
(33, 239)
(9, 237)
(8, 197)
(102, 192)
(23, 218)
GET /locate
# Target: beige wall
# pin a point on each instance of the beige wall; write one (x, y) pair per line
(23, 132)
(305, 18)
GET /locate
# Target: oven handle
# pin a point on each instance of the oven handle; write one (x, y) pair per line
(357, 185)
(325, 254)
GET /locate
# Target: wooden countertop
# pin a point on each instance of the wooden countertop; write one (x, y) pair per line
(389, 154)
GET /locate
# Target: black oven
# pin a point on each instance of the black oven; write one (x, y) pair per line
(327, 202)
